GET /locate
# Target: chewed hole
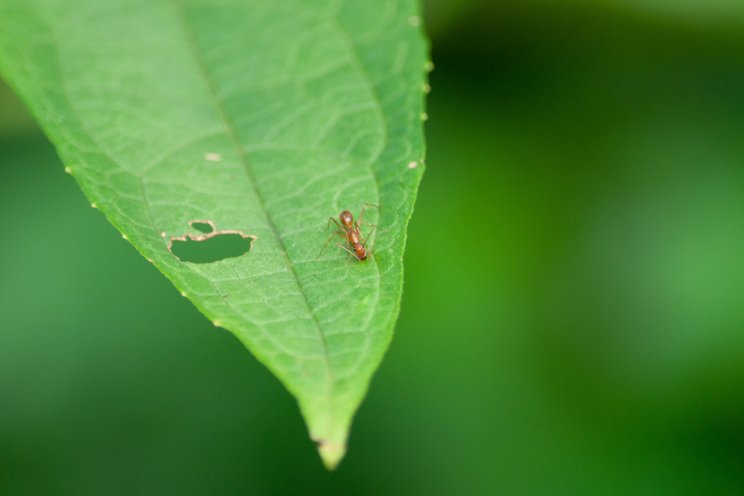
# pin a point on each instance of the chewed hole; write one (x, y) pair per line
(212, 249)
(204, 227)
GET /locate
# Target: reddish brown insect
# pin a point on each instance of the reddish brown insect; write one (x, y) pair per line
(348, 229)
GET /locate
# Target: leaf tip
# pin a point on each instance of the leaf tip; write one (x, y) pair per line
(331, 453)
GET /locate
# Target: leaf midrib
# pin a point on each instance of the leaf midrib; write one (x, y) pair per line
(232, 134)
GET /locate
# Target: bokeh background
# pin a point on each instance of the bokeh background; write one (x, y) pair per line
(573, 315)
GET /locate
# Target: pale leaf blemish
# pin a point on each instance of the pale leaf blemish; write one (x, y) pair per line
(94, 205)
(412, 165)
(424, 116)
(429, 66)
(162, 234)
(184, 294)
(414, 21)
(427, 88)
(124, 236)
(68, 170)
(213, 157)
(217, 323)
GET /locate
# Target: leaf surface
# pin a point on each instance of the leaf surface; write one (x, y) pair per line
(261, 118)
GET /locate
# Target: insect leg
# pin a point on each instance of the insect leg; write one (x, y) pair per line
(369, 234)
(336, 233)
(349, 251)
(364, 209)
(333, 219)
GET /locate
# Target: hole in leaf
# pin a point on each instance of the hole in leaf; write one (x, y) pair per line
(204, 227)
(211, 249)
(210, 246)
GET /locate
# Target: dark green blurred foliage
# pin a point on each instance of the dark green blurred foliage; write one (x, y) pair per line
(573, 318)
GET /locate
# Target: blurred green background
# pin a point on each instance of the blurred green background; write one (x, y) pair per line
(573, 315)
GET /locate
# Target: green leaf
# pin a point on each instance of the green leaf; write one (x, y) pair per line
(259, 117)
